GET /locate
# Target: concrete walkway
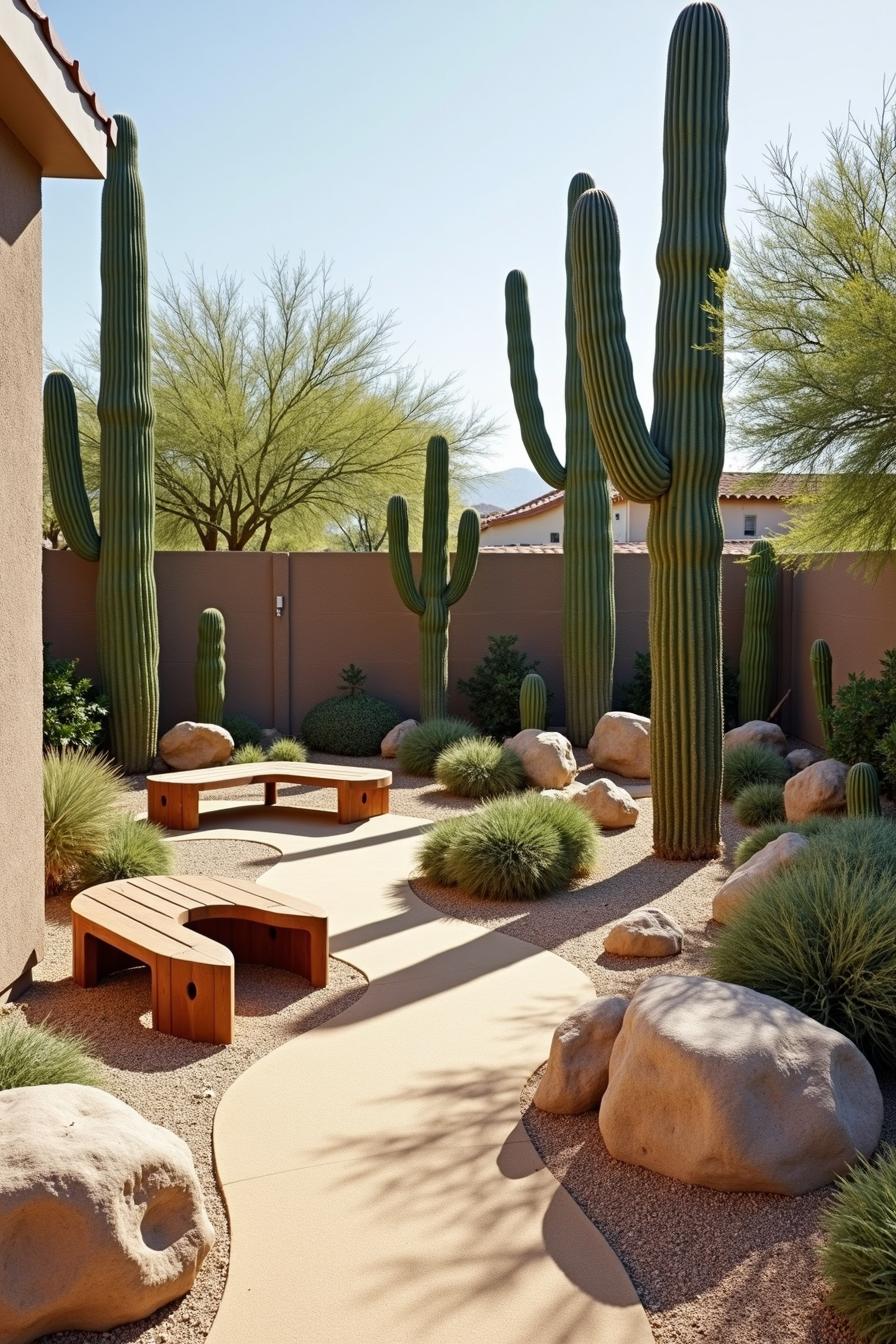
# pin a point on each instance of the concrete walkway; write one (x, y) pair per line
(380, 1185)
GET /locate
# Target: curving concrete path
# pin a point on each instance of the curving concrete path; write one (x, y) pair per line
(379, 1182)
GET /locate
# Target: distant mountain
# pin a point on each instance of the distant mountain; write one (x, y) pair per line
(503, 489)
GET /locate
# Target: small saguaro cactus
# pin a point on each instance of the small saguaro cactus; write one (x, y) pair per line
(533, 701)
(437, 591)
(675, 465)
(210, 667)
(821, 664)
(757, 650)
(862, 791)
(589, 608)
(127, 620)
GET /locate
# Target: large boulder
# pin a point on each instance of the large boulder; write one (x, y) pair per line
(717, 1085)
(818, 789)
(548, 758)
(608, 804)
(757, 733)
(801, 757)
(575, 1077)
(194, 746)
(745, 881)
(101, 1213)
(621, 743)
(648, 932)
(390, 743)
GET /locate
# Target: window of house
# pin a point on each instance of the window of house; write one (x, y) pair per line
(617, 516)
(749, 524)
(555, 536)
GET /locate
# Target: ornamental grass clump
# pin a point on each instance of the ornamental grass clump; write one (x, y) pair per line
(420, 748)
(132, 848)
(250, 753)
(287, 749)
(751, 844)
(435, 852)
(32, 1056)
(749, 764)
(477, 767)
(820, 934)
(81, 792)
(758, 804)
(858, 1257)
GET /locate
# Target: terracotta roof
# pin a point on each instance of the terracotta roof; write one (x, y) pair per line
(738, 546)
(528, 510)
(70, 66)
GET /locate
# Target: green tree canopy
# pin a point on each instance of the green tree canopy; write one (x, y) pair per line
(810, 327)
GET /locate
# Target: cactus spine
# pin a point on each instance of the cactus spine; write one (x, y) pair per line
(210, 667)
(862, 791)
(676, 465)
(821, 665)
(757, 650)
(438, 590)
(127, 620)
(589, 609)
(533, 701)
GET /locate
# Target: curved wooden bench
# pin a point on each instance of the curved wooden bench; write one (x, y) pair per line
(173, 800)
(153, 921)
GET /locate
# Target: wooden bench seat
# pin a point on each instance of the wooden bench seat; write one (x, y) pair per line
(189, 931)
(173, 800)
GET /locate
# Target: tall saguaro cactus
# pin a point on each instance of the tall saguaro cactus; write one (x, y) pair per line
(757, 650)
(127, 620)
(210, 667)
(821, 666)
(676, 465)
(589, 609)
(437, 591)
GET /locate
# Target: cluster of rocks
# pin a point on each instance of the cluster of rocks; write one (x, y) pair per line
(817, 784)
(716, 1085)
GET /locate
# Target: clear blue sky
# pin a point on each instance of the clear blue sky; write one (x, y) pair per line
(426, 147)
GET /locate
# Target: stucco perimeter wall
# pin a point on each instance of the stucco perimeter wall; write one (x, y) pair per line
(21, 807)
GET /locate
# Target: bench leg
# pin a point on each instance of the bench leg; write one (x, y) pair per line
(175, 806)
(357, 802)
(270, 794)
(201, 999)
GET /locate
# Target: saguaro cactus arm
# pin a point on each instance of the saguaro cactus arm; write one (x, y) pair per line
(210, 671)
(400, 555)
(524, 382)
(62, 450)
(466, 557)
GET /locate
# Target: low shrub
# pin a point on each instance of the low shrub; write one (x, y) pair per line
(493, 689)
(31, 1056)
(821, 934)
(476, 767)
(80, 794)
(287, 749)
(132, 848)
(242, 729)
(248, 754)
(864, 716)
(74, 711)
(758, 804)
(352, 723)
(420, 748)
(512, 849)
(858, 1257)
(888, 760)
(751, 765)
(751, 844)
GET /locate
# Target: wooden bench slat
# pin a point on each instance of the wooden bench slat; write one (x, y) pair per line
(161, 932)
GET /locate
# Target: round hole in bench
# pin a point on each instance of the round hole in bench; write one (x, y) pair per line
(164, 800)
(192, 991)
(363, 797)
(272, 932)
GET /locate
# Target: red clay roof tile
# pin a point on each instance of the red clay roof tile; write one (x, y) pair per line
(71, 66)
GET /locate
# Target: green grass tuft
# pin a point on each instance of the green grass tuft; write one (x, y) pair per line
(287, 749)
(81, 791)
(132, 848)
(758, 804)
(435, 852)
(31, 1056)
(248, 754)
(751, 765)
(477, 767)
(859, 1254)
(419, 749)
(751, 844)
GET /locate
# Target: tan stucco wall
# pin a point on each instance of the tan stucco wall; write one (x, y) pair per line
(630, 523)
(534, 531)
(21, 808)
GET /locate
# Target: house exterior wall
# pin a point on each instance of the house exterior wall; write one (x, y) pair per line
(630, 523)
(533, 531)
(21, 805)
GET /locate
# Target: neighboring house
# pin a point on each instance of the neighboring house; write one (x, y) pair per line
(51, 125)
(747, 511)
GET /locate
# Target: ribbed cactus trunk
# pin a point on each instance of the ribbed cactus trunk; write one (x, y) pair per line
(62, 450)
(437, 592)
(127, 621)
(822, 669)
(757, 650)
(210, 671)
(677, 464)
(533, 701)
(862, 791)
(589, 609)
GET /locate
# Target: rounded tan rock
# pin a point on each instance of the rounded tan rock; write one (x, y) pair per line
(392, 740)
(195, 746)
(819, 789)
(577, 1070)
(609, 805)
(757, 733)
(621, 743)
(648, 932)
(745, 881)
(548, 758)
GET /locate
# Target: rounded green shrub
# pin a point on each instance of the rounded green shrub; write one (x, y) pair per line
(287, 749)
(32, 1056)
(132, 848)
(578, 834)
(751, 844)
(477, 767)
(349, 725)
(242, 729)
(758, 804)
(248, 754)
(81, 791)
(821, 935)
(434, 856)
(419, 749)
(858, 1257)
(751, 765)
